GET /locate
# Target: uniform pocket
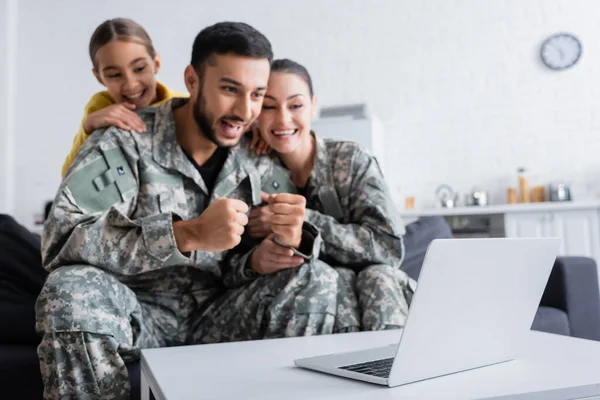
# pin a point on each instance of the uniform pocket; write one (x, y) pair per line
(163, 192)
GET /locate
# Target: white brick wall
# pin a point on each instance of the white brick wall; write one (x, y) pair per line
(8, 10)
(4, 196)
(458, 84)
(3, 103)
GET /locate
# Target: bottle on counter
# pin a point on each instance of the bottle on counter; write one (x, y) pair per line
(511, 195)
(523, 186)
(538, 194)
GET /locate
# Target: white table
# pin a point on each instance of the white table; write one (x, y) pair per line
(552, 367)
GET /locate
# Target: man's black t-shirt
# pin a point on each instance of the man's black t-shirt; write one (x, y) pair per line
(211, 168)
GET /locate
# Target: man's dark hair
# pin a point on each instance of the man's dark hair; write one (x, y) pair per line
(229, 37)
(286, 65)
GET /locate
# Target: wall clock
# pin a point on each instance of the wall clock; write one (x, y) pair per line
(561, 51)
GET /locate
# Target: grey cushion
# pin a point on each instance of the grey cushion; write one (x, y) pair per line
(552, 320)
(416, 241)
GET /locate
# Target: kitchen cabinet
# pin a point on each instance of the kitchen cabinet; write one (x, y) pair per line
(578, 229)
(533, 224)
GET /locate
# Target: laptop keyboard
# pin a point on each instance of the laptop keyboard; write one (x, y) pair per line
(380, 368)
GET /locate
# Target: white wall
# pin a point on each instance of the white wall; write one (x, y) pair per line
(458, 84)
(4, 195)
(8, 19)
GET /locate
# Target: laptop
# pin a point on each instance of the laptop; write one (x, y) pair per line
(473, 307)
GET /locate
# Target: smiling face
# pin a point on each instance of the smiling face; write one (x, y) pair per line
(128, 72)
(288, 108)
(229, 97)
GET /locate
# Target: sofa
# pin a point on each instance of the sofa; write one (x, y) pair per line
(570, 304)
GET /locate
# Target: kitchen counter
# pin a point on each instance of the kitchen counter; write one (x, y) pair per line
(577, 223)
(502, 209)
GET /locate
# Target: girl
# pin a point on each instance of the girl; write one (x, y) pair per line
(125, 62)
(346, 198)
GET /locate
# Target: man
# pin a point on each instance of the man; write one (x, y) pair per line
(137, 231)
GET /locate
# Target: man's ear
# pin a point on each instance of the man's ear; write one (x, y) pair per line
(192, 81)
(98, 77)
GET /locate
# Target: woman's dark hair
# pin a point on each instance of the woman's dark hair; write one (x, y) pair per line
(122, 29)
(285, 65)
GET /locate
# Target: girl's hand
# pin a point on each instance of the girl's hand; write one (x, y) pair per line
(119, 115)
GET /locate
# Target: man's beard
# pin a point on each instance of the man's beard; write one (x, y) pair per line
(206, 121)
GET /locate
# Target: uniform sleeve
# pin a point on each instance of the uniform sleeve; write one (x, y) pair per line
(374, 232)
(97, 102)
(236, 267)
(90, 219)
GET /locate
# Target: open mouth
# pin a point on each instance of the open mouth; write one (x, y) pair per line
(284, 132)
(136, 96)
(231, 129)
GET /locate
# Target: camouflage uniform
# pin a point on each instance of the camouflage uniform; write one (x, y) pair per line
(348, 200)
(117, 281)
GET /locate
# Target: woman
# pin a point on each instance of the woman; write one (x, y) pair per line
(126, 63)
(347, 199)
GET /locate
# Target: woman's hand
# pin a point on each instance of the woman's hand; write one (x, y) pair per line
(119, 115)
(257, 142)
(270, 257)
(288, 217)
